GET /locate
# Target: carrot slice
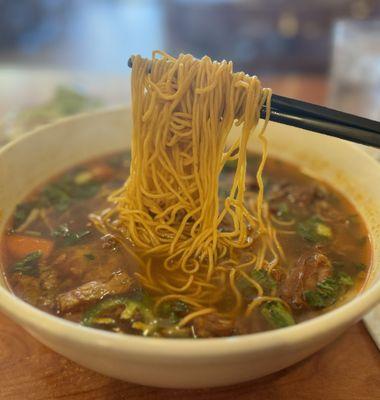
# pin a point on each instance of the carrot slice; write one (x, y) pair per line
(19, 246)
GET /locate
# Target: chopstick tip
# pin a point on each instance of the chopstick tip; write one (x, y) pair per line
(130, 62)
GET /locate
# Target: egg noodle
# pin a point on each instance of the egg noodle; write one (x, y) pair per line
(192, 244)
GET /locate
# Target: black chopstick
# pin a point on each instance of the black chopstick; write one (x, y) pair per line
(336, 129)
(324, 120)
(321, 119)
(312, 110)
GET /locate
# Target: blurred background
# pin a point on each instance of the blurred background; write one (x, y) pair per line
(58, 57)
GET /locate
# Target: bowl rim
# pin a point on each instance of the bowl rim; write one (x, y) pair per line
(172, 349)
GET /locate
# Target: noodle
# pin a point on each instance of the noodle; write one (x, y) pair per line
(169, 211)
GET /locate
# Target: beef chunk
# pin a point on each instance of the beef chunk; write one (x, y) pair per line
(93, 291)
(327, 212)
(297, 194)
(211, 325)
(311, 268)
(88, 262)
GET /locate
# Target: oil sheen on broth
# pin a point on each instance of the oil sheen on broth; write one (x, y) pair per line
(56, 260)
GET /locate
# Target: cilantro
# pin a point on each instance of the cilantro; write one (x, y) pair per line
(139, 294)
(29, 264)
(21, 213)
(245, 288)
(283, 211)
(360, 266)
(53, 195)
(263, 278)
(324, 295)
(68, 236)
(83, 191)
(277, 315)
(60, 194)
(314, 230)
(328, 291)
(344, 279)
(174, 310)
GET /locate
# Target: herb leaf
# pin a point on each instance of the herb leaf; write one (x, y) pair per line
(60, 194)
(324, 295)
(362, 240)
(82, 191)
(328, 291)
(130, 310)
(283, 211)
(277, 315)
(245, 288)
(360, 266)
(262, 277)
(53, 195)
(174, 310)
(29, 264)
(314, 230)
(344, 279)
(70, 237)
(22, 213)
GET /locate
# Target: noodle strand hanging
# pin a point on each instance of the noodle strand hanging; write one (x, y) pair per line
(189, 240)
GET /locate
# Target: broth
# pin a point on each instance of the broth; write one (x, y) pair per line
(57, 261)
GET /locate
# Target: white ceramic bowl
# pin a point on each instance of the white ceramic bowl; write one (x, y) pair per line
(185, 363)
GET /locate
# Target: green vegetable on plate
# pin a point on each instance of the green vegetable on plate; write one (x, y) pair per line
(64, 102)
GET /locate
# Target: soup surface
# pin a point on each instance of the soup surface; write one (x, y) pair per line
(56, 260)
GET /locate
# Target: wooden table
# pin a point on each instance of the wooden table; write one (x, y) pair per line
(349, 368)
